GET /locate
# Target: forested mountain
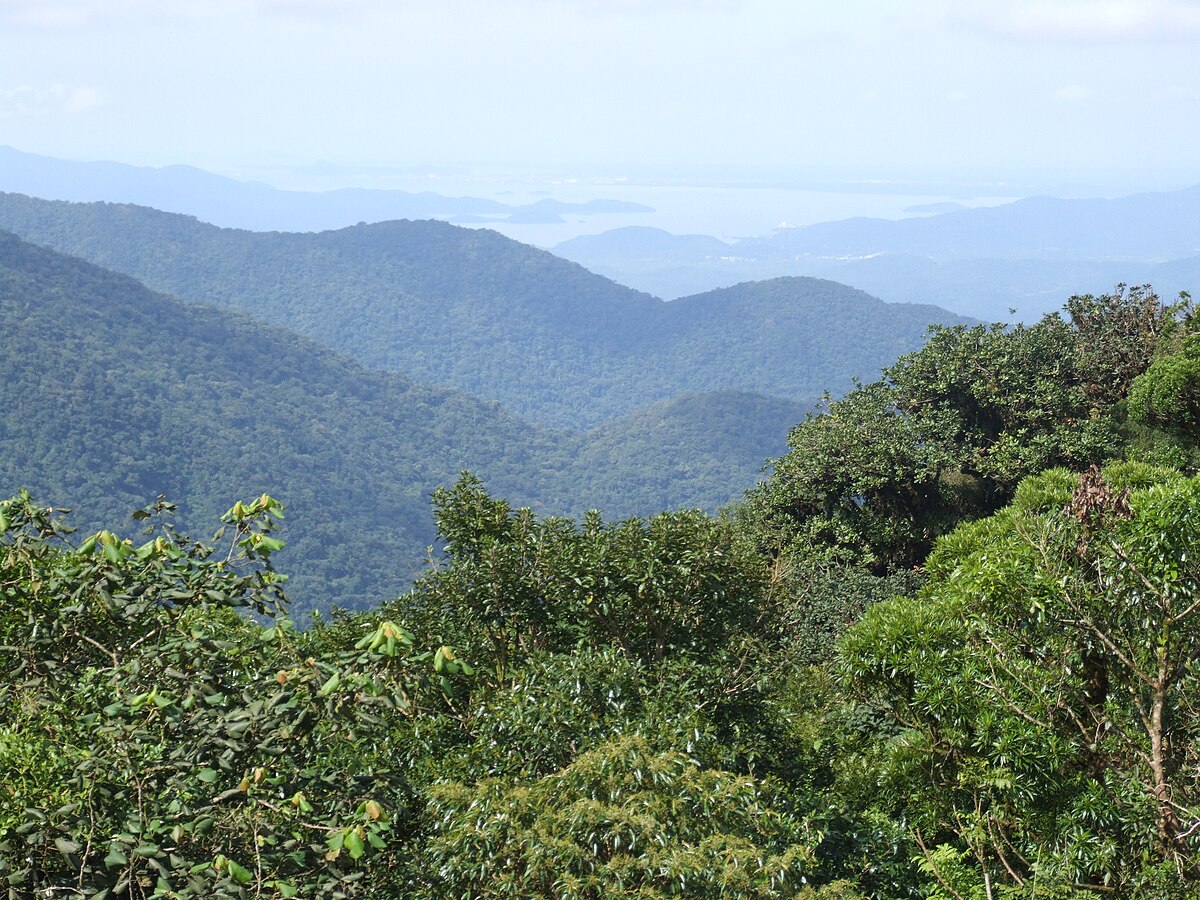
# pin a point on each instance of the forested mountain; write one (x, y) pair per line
(113, 394)
(476, 311)
(945, 649)
(979, 262)
(642, 243)
(664, 264)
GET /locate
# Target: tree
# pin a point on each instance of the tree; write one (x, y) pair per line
(1120, 333)
(1039, 695)
(1004, 403)
(944, 437)
(1167, 394)
(861, 484)
(155, 741)
(677, 584)
(621, 819)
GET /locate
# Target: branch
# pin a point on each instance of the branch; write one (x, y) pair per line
(933, 868)
(1114, 649)
(109, 653)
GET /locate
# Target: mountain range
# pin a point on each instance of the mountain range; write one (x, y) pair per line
(476, 311)
(1029, 255)
(114, 394)
(351, 372)
(258, 206)
(1010, 262)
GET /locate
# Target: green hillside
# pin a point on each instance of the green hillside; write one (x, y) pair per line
(113, 394)
(694, 450)
(473, 310)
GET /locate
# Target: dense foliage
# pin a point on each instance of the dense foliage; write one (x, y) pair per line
(155, 742)
(604, 721)
(1040, 691)
(947, 650)
(951, 429)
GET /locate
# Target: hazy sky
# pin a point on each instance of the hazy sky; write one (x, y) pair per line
(1092, 87)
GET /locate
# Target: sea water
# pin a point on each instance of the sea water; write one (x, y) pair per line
(724, 204)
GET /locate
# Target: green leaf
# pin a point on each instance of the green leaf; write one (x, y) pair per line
(301, 802)
(354, 844)
(335, 842)
(240, 874)
(208, 776)
(331, 685)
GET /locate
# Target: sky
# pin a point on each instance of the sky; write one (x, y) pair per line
(1095, 89)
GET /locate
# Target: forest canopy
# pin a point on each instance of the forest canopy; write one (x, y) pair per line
(946, 650)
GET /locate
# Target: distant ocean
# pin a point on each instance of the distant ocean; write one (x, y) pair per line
(728, 213)
(722, 209)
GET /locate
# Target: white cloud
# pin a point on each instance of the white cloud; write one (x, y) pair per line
(1074, 21)
(82, 99)
(27, 100)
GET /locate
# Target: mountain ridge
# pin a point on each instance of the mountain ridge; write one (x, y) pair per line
(1028, 255)
(473, 310)
(258, 206)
